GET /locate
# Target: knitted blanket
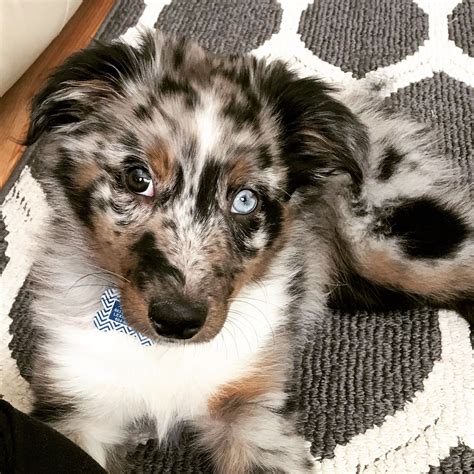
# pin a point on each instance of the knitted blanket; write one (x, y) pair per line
(382, 392)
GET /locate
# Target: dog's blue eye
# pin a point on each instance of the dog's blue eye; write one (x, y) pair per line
(245, 202)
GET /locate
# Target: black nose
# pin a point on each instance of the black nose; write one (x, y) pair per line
(177, 319)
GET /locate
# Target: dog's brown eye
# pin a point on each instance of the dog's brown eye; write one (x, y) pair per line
(139, 181)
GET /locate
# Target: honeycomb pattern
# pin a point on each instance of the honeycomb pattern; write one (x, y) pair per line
(361, 35)
(459, 22)
(446, 104)
(222, 26)
(123, 15)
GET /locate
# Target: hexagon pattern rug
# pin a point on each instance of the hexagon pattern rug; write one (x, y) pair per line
(378, 392)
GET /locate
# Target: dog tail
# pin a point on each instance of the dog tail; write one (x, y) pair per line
(408, 233)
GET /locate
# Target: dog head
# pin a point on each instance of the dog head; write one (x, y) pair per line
(181, 169)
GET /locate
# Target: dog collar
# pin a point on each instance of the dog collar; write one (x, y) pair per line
(111, 317)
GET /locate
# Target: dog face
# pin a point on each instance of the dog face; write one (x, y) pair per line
(181, 169)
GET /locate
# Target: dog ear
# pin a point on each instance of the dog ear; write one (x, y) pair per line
(321, 136)
(89, 76)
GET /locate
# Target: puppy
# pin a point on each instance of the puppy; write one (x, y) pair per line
(227, 200)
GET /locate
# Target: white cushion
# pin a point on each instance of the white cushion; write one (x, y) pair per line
(26, 29)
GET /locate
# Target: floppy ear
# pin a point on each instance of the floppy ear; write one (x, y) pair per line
(321, 136)
(87, 77)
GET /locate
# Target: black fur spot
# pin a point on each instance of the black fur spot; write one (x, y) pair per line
(178, 182)
(244, 229)
(143, 113)
(169, 224)
(152, 262)
(119, 210)
(390, 160)
(206, 197)
(353, 292)
(273, 219)
(51, 412)
(80, 199)
(178, 56)
(239, 76)
(170, 86)
(191, 100)
(101, 204)
(426, 229)
(241, 114)
(264, 157)
(219, 271)
(130, 140)
(296, 286)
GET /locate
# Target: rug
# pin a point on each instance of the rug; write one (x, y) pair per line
(383, 392)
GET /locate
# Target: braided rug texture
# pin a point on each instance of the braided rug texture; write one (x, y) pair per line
(378, 392)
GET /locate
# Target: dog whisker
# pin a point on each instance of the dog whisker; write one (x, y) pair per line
(110, 272)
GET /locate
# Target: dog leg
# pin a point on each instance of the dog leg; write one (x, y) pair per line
(409, 233)
(248, 430)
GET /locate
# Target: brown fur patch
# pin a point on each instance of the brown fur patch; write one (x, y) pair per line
(444, 280)
(239, 172)
(162, 162)
(110, 249)
(136, 309)
(231, 400)
(87, 173)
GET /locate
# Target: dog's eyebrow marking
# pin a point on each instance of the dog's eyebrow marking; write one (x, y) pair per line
(389, 162)
(152, 262)
(162, 162)
(239, 170)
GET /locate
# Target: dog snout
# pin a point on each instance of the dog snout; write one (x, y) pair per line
(177, 318)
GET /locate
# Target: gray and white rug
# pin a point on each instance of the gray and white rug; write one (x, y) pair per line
(379, 392)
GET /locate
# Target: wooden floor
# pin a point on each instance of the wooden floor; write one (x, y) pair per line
(14, 105)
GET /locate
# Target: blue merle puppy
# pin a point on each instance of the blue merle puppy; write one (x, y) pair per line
(230, 202)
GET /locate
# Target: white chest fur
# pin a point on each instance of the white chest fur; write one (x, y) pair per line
(116, 380)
